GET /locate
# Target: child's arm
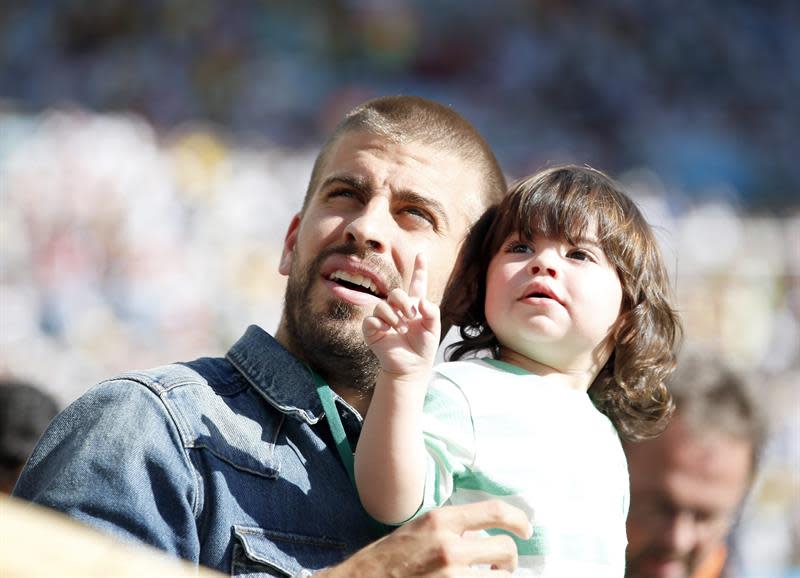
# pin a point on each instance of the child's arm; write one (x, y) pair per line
(390, 463)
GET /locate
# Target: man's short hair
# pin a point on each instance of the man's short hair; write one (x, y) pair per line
(711, 396)
(407, 119)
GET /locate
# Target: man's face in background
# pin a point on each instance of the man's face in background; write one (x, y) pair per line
(686, 489)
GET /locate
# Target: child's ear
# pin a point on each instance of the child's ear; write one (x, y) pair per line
(289, 243)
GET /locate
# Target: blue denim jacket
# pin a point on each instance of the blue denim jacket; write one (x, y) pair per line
(225, 462)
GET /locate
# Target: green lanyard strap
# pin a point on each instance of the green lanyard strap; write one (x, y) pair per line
(335, 425)
(340, 439)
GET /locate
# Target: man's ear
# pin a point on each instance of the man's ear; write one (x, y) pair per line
(289, 243)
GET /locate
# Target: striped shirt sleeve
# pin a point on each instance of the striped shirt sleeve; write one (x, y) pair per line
(449, 439)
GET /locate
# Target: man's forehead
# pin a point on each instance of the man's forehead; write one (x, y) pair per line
(692, 489)
(355, 149)
(715, 456)
(708, 470)
(374, 161)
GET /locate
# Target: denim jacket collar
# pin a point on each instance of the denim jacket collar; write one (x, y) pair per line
(283, 380)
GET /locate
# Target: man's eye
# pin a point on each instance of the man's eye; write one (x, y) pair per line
(341, 193)
(421, 214)
(706, 517)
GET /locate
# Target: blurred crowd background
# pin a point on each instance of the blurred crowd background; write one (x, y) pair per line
(152, 154)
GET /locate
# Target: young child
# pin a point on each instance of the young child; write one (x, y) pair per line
(564, 286)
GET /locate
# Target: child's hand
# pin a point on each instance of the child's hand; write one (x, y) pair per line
(403, 331)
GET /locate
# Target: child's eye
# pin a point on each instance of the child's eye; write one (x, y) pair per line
(519, 247)
(580, 255)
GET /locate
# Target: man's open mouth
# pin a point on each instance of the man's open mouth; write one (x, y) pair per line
(356, 282)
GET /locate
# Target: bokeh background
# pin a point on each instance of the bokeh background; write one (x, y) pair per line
(152, 154)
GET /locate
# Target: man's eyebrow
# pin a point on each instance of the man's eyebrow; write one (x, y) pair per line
(355, 181)
(429, 203)
(362, 185)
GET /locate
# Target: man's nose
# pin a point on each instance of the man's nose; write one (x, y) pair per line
(371, 226)
(681, 532)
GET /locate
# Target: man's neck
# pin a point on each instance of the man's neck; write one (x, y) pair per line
(356, 398)
(282, 337)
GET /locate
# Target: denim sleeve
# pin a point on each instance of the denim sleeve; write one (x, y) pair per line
(114, 459)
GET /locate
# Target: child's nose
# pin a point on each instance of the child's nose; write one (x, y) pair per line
(536, 270)
(544, 263)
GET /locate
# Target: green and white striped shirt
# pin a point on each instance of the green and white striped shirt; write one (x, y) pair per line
(493, 430)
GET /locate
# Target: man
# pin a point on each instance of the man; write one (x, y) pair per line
(231, 462)
(688, 484)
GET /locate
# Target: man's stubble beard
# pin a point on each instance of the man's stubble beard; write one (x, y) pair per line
(634, 563)
(329, 340)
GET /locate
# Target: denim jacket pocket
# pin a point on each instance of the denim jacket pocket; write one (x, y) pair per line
(259, 553)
